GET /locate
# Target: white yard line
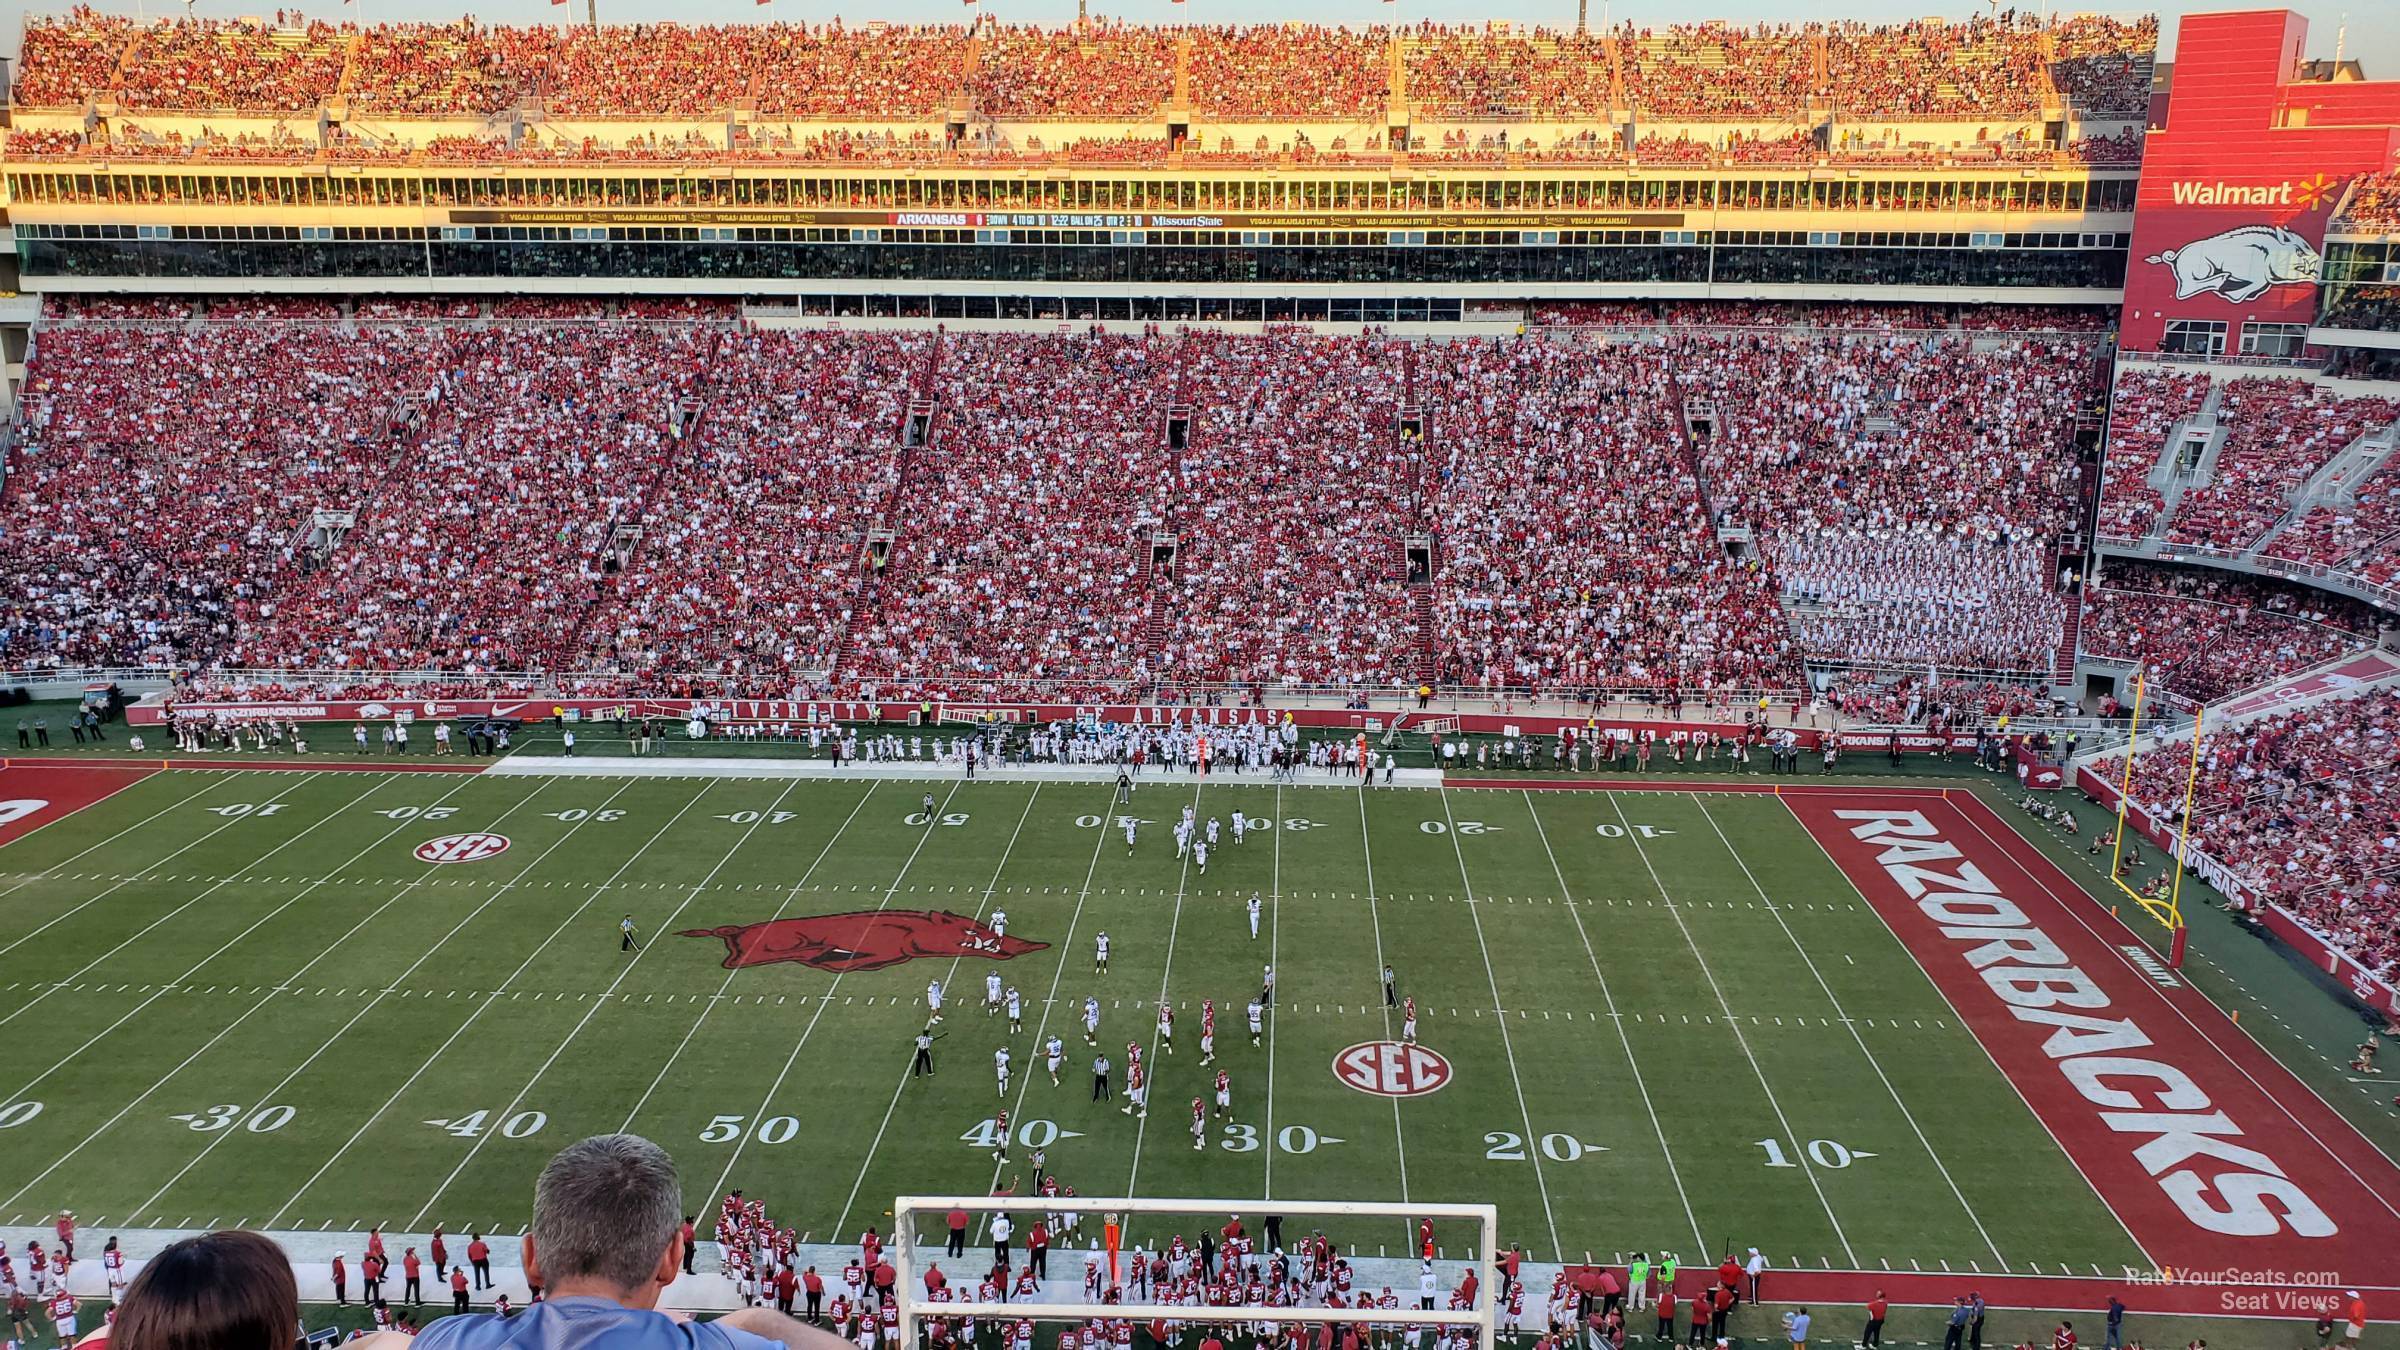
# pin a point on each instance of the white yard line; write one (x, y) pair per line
(1675, 1174)
(139, 873)
(416, 1220)
(380, 995)
(1844, 1014)
(1952, 1004)
(228, 945)
(1507, 1048)
(842, 1223)
(1016, 1110)
(182, 801)
(1274, 938)
(790, 895)
(471, 1018)
(1166, 970)
(1806, 1168)
(822, 1004)
(2389, 1204)
(1382, 1009)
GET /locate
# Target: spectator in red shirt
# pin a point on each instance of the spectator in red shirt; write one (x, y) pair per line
(479, 1255)
(458, 1289)
(958, 1233)
(2064, 1337)
(813, 1285)
(411, 1272)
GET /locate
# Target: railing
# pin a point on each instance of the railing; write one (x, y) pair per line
(2242, 560)
(809, 685)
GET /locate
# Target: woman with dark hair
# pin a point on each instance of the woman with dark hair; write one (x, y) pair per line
(219, 1291)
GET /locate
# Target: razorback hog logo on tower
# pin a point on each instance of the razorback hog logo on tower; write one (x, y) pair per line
(2242, 263)
(865, 939)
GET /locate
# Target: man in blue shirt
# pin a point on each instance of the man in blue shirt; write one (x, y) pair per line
(1798, 1330)
(607, 1239)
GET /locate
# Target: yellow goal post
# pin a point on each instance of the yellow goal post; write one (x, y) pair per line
(2165, 905)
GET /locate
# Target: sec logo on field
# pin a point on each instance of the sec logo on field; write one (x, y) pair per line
(460, 848)
(1392, 1069)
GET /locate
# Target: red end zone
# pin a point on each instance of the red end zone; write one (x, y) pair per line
(32, 798)
(2214, 1156)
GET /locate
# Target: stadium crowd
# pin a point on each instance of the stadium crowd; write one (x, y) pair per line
(1566, 509)
(767, 525)
(2300, 806)
(2278, 434)
(1910, 489)
(1923, 69)
(488, 552)
(1032, 566)
(530, 488)
(2205, 633)
(2146, 407)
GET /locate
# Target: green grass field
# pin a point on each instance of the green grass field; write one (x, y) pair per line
(241, 999)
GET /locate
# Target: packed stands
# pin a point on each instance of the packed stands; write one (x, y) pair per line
(436, 69)
(2329, 534)
(1108, 70)
(2146, 406)
(1575, 545)
(2279, 433)
(1916, 596)
(1283, 70)
(1717, 69)
(1912, 700)
(488, 552)
(166, 473)
(749, 568)
(1923, 69)
(2105, 64)
(2205, 634)
(878, 71)
(1472, 74)
(65, 62)
(1926, 68)
(2301, 806)
(1908, 488)
(1555, 482)
(242, 65)
(1278, 579)
(662, 69)
(2374, 202)
(1028, 559)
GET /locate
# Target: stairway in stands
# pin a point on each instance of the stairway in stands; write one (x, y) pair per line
(908, 460)
(1422, 518)
(2062, 665)
(1428, 662)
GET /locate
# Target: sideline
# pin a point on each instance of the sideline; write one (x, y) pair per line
(711, 1291)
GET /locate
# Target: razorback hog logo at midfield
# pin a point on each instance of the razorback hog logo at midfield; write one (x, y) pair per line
(2240, 264)
(866, 939)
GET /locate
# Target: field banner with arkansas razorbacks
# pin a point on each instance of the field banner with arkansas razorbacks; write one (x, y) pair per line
(2215, 1158)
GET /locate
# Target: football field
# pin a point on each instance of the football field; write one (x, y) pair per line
(1655, 1020)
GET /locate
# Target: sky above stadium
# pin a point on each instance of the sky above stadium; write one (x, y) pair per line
(2373, 38)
